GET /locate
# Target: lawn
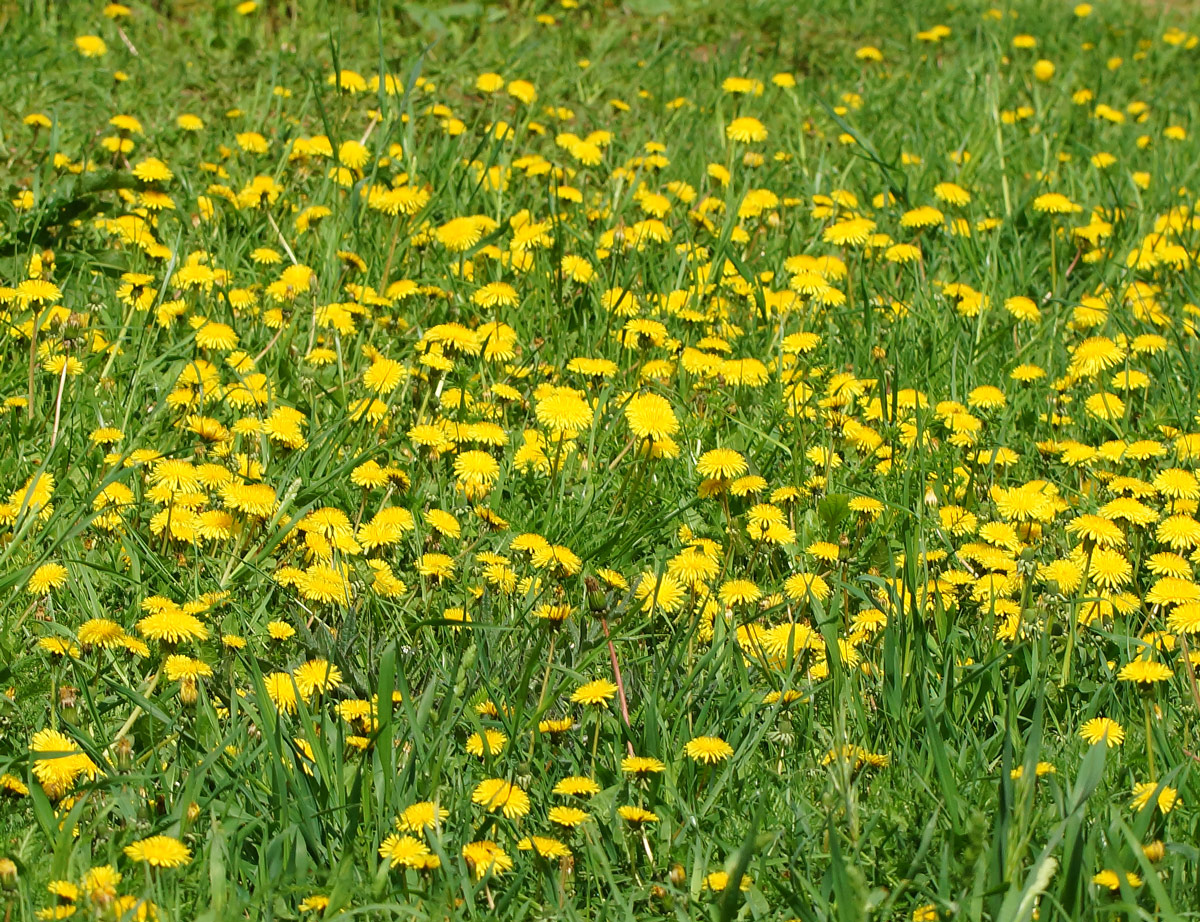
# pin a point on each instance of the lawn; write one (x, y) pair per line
(599, 461)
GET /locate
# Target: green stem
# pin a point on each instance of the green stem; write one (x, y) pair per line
(542, 694)
(1053, 260)
(595, 741)
(1072, 622)
(1149, 741)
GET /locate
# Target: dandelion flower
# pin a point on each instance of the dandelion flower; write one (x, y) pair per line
(172, 625)
(58, 762)
(576, 786)
(160, 852)
(1167, 800)
(1103, 729)
(569, 817)
(635, 815)
(489, 742)
(281, 689)
(544, 846)
(651, 417)
(1145, 672)
(597, 692)
(641, 765)
(485, 856)
(422, 815)
(46, 577)
(717, 881)
(403, 851)
(497, 794)
(723, 463)
(317, 675)
(746, 130)
(708, 749)
(1055, 203)
(91, 46)
(1109, 880)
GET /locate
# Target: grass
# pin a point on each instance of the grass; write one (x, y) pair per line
(866, 651)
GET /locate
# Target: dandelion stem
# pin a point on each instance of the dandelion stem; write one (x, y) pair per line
(1073, 618)
(595, 741)
(542, 694)
(33, 335)
(62, 383)
(1053, 261)
(387, 266)
(1149, 741)
(282, 240)
(558, 450)
(612, 654)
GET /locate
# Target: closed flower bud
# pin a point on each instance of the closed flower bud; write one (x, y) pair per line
(597, 599)
(123, 751)
(188, 691)
(68, 697)
(8, 874)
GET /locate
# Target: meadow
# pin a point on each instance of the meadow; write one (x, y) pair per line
(657, 460)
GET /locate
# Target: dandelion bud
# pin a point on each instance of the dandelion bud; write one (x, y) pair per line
(596, 597)
(677, 875)
(123, 751)
(188, 691)
(1027, 564)
(101, 893)
(1155, 851)
(68, 696)
(8, 874)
